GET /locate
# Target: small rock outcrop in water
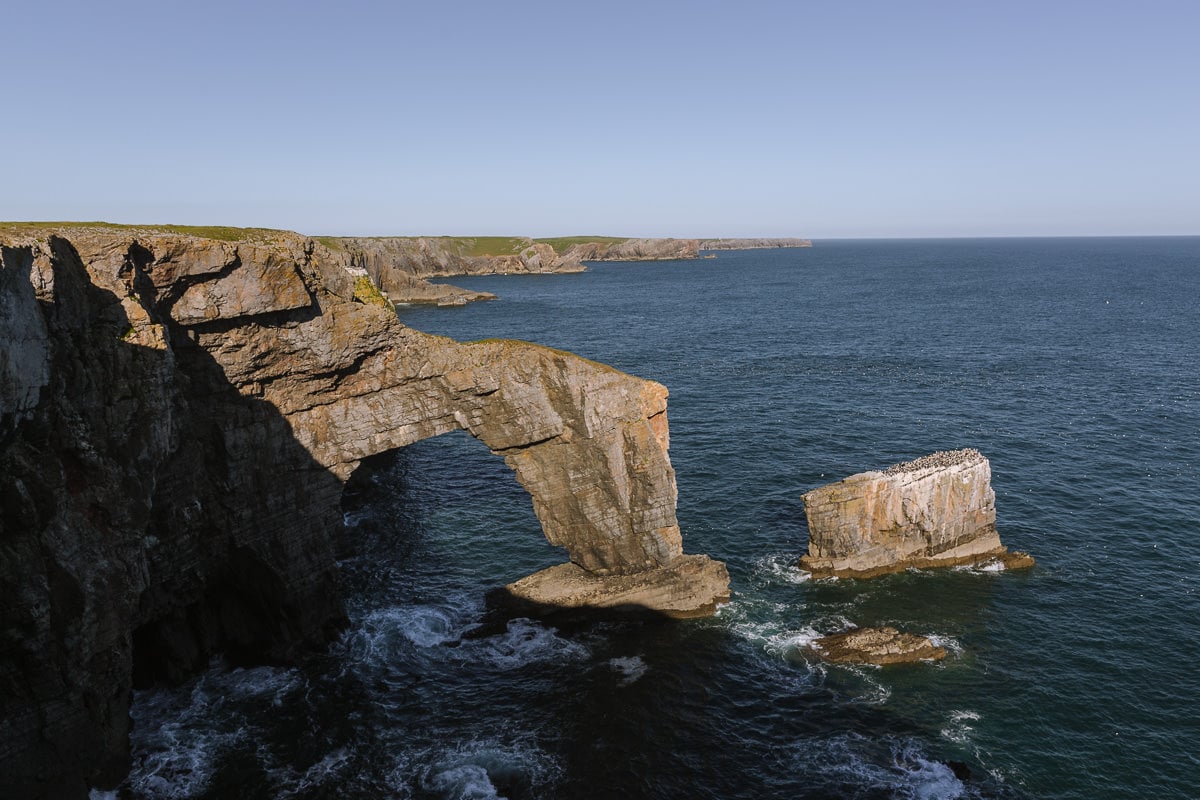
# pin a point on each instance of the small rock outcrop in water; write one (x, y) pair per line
(880, 646)
(936, 511)
(177, 417)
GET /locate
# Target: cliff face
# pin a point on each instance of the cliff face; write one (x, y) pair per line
(177, 416)
(635, 250)
(752, 244)
(939, 510)
(402, 265)
(435, 256)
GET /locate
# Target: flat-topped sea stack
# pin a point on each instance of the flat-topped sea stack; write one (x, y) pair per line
(936, 511)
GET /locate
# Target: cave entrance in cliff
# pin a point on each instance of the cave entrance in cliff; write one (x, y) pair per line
(441, 517)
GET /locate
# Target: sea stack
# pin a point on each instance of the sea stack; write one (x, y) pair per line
(936, 511)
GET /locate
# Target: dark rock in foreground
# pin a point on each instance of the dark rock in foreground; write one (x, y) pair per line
(177, 417)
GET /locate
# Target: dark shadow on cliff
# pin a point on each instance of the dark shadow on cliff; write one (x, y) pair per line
(145, 496)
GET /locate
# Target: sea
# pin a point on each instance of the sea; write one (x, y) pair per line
(1073, 364)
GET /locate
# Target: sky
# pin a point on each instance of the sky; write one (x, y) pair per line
(695, 119)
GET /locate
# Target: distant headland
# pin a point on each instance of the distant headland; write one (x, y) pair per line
(402, 265)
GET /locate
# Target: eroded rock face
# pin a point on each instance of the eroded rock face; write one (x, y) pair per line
(939, 510)
(753, 244)
(879, 646)
(400, 265)
(177, 416)
(635, 250)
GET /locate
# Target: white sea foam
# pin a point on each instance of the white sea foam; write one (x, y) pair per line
(178, 760)
(465, 782)
(178, 739)
(896, 767)
(781, 569)
(478, 770)
(630, 667)
(872, 690)
(958, 727)
(785, 642)
(524, 642)
(951, 644)
(329, 771)
(420, 633)
(979, 569)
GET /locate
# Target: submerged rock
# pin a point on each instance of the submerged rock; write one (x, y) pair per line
(880, 646)
(936, 511)
(690, 586)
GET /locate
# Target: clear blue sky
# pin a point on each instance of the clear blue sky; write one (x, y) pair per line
(643, 118)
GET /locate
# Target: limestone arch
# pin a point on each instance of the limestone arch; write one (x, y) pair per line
(588, 442)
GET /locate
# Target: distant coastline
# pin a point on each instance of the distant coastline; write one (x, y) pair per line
(401, 266)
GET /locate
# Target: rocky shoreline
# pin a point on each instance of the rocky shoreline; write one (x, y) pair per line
(401, 266)
(178, 415)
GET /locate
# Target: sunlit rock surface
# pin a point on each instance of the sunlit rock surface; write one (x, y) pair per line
(878, 646)
(937, 511)
(177, 417)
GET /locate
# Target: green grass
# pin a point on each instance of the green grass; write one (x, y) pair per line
(463, 245)
(487, 245)
(224, 233)
(563, 243)
(332, 242)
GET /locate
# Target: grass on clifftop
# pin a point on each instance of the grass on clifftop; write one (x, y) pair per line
(463, 245)
(224, 233)
(477, 246)
(562, 244)
(488, 245)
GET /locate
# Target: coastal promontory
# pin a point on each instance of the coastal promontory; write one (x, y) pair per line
(402, 266)
(179, 410)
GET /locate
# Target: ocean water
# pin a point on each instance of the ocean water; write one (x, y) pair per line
(1073, 364)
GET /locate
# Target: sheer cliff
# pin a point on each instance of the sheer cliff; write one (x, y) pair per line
(177, 417)
(402, 265)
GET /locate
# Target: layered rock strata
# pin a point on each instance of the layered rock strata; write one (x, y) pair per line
(402, 265)
(753, 244)
(937, 511)
(877, 646)
(681, 590)
(635, 250)
(177, 418)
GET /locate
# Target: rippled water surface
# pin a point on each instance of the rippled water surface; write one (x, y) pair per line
(1073, 364)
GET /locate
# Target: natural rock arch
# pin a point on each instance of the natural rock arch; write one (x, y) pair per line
(587, 442)
(175, 426)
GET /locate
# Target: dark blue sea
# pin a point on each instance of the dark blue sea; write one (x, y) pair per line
(1072, 364)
